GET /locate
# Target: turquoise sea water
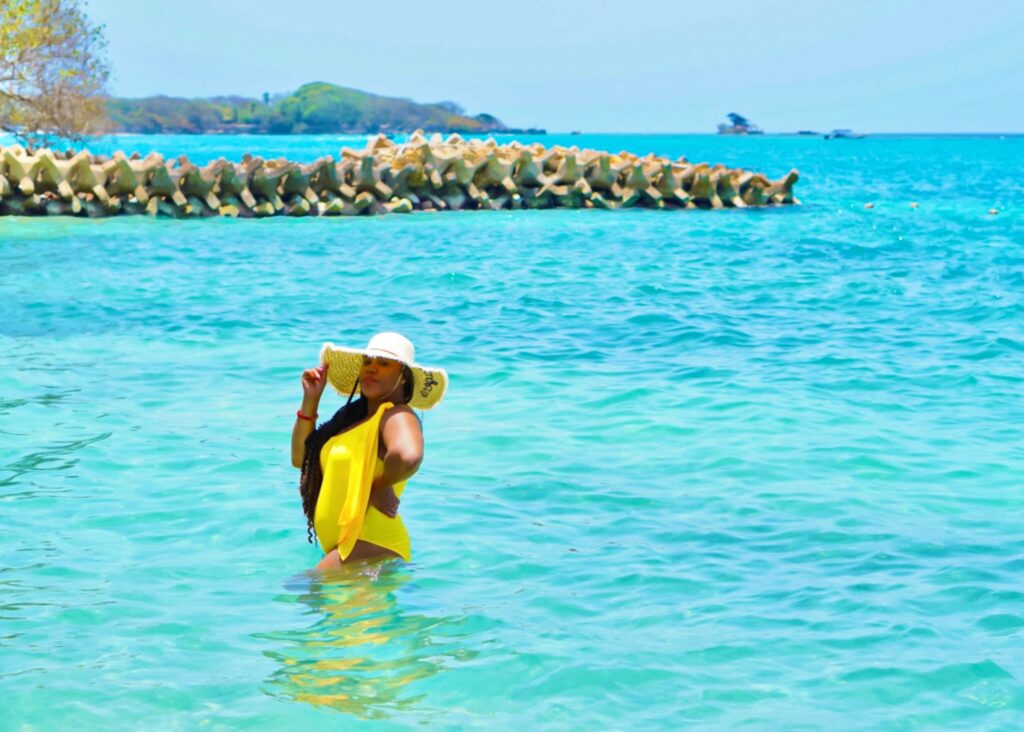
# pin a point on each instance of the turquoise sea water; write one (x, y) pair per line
(704, 470)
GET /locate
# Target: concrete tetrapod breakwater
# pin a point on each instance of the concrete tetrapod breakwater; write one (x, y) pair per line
(421, 174)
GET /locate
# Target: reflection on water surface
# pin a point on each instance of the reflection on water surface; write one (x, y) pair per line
(362, 650)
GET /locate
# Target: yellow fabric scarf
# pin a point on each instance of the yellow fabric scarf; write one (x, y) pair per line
(361, 443)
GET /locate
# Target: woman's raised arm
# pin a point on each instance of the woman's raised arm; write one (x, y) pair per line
(314, 381)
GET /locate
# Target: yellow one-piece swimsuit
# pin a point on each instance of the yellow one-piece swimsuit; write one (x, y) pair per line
(343, 511)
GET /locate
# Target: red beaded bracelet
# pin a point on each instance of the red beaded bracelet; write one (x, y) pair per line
(300, 415)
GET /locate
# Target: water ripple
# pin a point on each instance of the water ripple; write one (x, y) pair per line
(725, 470)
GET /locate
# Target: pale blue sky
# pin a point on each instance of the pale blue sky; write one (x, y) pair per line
(875, 66)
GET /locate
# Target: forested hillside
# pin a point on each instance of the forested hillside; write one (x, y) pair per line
(313, 108)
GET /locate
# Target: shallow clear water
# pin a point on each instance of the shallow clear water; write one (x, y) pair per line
(739, 469)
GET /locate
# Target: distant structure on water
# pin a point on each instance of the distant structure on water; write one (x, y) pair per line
(739, 125)
(844, 134)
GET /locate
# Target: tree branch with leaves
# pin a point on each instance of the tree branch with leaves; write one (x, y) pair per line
(53, 72)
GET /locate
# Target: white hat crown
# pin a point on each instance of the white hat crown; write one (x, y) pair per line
(392, 345)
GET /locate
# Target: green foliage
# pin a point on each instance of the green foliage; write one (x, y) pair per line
(52, 71)
(312, 108)
(166, 114)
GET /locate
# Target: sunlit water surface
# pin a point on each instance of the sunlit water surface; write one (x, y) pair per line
(713, 470)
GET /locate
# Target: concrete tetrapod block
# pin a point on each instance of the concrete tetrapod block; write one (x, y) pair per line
(229, 187)
(17, 173)
(85, 178)
(163, 185)
(462, 171)
(47, 178)
(781, 191)
(327, 181)
(366, 203)
(264, 181)
(752, 188)
(528, 172)
(436, 167)
(702, 190)
(299, 206)
(244, 172)
(297, 182)
(197, 184)
(124, 178)
(602, 174)
(670, 186)
(399, 205)
(366, 178)
(400, 181)
(496, 172)
(724, 181)
(568, 171)
(378, 143)
(637, 186)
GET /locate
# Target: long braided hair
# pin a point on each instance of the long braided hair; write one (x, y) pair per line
(311, 478)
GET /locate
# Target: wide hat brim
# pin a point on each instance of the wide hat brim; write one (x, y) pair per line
(429, 384)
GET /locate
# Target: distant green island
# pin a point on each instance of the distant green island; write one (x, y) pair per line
(316, 108)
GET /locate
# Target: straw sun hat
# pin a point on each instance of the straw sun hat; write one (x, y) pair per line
(429, 384)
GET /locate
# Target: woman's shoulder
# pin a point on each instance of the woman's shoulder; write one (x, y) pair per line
(397, 411)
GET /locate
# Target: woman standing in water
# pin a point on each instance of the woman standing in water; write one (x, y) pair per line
(355, 465)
